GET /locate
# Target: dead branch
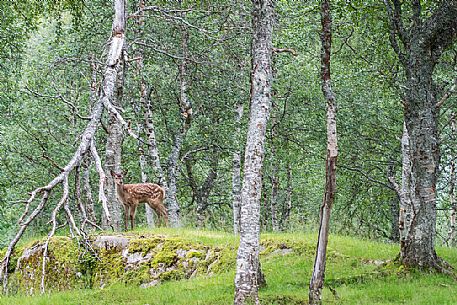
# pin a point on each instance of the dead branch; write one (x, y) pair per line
(447, 94)
(5, 262)
(51, 233)
(102, 179)
(285, 50)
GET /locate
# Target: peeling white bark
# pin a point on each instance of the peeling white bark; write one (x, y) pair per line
(247, 263)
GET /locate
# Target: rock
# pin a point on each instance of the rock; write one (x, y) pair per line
(282, 251)
(181, 253)
(150, 284)
(117, 243)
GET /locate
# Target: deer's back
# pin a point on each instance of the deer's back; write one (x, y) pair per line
(144, 191)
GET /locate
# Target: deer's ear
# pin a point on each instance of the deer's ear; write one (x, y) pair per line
(125, 172)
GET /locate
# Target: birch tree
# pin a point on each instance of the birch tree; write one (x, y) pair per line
(317, 279)
(247, 263)
(419, 39)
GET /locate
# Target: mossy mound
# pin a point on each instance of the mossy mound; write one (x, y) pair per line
(145, 260)
(141, 260)
(62, 269)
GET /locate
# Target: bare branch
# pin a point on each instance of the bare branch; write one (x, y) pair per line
(285, 50)
(393, 30)
(102, 179)
(11, 246)
(51, 233)
(447, 94)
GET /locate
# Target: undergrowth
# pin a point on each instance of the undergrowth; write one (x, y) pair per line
(358, 272)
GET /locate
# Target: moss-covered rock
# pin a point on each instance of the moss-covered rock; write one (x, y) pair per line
(62, 270)
(143, 260)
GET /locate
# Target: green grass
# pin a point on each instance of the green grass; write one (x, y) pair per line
(350, 269)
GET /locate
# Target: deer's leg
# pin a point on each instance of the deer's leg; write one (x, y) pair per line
(126, 219)
(132, 215)
(161, 211)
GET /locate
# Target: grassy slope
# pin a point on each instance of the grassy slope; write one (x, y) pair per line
(287, 278)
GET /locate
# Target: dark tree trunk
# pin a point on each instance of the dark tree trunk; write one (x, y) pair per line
(247, 263)
(423, 41)
(317, 279)
(394, 206)
(201, 194)
(274, 177)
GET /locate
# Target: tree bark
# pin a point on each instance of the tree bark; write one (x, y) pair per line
(452, 220)
(288, 204)
(424, 41)
(113, 157)
(247, 263)
(274, 198)
(317, 279)
(236, 174)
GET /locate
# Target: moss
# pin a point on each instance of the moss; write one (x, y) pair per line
(195, 253)
(172, 275)
(222, 260)
(63, 265)
(165, 257)
(61, 268)
(109, 268)
(144, 245)
(71, 266)
(136, 276)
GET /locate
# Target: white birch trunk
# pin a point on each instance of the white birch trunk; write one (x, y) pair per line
(247, 263)
(452, 222)
(236, 174)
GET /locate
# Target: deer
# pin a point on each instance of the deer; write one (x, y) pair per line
(131, 195)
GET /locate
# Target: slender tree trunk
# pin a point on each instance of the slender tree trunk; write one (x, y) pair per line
(452, 231)
(236, 174)
(288, 203)
(86, 195)
(186, 117)
(394, 205)
(143, 96)
(274, 198)
(247, 263)
(317, 279)
(144, 179)
(113, 159)
(205, 190)
(153, 152)
(200, 195)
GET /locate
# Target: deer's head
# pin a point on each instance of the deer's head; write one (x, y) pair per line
(118, 177)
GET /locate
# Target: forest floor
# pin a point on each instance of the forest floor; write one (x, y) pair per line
(358, 272)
